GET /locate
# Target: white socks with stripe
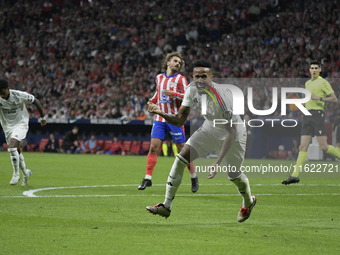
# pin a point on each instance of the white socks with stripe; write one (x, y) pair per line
(174, 180)
(22, 164)
(15, 160)
(242, 184)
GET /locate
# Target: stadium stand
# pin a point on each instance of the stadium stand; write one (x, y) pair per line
(99, 59)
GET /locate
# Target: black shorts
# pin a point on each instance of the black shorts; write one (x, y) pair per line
(314, 125)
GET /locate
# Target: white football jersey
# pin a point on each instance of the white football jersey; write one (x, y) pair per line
(13, 111)
(215, 110)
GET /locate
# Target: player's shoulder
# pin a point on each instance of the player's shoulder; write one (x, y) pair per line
(181, 79)
(17, 93)
(191, 87)
(159, 75)
(21, 95)
(180, 76)
(324, 81)
(222, 88)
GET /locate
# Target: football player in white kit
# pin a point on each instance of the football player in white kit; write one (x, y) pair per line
(229, 141)
(14, 121)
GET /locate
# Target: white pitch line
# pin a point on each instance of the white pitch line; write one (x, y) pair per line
(179, 195)
(30, 193)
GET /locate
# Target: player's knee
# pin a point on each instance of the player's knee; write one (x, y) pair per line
(324, 147)
(153, 148)
(12, 150)
(303, 148)
(233, 175)
(185, 153)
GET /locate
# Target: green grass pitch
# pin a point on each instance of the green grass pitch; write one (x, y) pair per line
(97, 209)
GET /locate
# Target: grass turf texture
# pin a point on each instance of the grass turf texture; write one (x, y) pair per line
(112, 219)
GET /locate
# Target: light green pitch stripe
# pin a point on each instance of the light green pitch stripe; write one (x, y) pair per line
(209, 95)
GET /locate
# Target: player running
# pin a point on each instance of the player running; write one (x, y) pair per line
(229, 141)
(170, 90)
(14, 121)
(314, 125)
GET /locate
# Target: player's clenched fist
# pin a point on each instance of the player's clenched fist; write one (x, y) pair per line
(152, 108)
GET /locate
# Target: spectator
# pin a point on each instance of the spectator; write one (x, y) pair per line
(93, 145)
(116, 148)
(52, 145)
(142, 115)
(83, 147)
(135, 147)
(70, 141)
(54, 60)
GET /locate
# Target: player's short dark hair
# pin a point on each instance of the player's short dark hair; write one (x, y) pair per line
(3, 84)
(202, 63)
(315, 62)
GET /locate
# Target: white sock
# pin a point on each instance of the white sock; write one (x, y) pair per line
(193, 175)
(148, 177)
(174, 180)
(242, 184)
(22, 164)
(15, 160)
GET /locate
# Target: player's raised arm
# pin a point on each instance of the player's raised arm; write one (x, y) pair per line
(174, 119)
(37, 103)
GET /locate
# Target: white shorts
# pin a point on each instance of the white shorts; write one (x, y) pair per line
(18, 133)
(205, 142)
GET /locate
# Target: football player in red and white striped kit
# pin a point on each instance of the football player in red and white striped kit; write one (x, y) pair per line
(170, 90)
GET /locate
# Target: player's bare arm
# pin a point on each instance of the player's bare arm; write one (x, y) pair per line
(37, 103)
(228, 141)
(329, 99)
(174, 119)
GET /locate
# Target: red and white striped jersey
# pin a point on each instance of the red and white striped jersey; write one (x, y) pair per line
(177, 84)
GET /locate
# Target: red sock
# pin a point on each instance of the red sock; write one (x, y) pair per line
(150, 163)
(191, 167)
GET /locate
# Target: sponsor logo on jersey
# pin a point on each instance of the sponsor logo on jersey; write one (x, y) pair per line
(172, 84)
(165, 101)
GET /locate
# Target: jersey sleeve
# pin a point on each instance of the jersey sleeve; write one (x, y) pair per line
(187, 100)
(327, 88)
(181, 88)
(154, 98)
(25, 97)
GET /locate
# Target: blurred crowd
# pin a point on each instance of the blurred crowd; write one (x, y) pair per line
(99, 58)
